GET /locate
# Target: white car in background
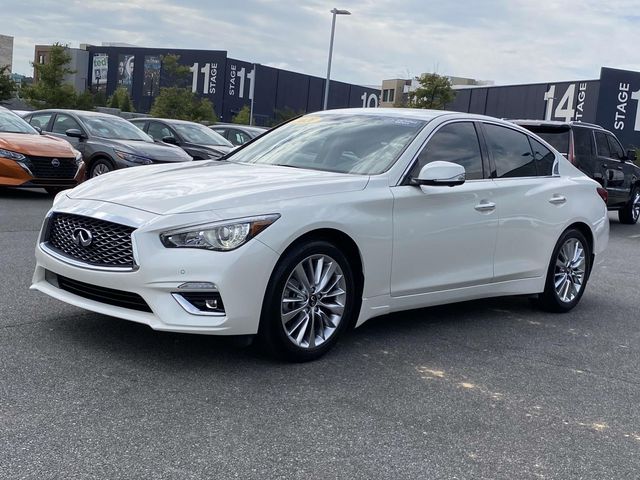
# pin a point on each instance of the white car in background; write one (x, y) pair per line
(326, 222)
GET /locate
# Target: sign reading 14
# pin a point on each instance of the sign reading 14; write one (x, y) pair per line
(564, 110)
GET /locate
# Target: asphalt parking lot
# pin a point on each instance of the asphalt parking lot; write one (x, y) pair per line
(486, 389)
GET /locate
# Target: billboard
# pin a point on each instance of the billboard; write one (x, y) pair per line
(151, 83)
(99, 71)
(125, 71)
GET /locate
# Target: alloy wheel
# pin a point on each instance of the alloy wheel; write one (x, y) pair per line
(569, 273)
(635, 206)
(313, 301)
(100, 169)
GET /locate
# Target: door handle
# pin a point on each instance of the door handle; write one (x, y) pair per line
(605, 165)
(619, 168)
(558, 200)
(485, 206)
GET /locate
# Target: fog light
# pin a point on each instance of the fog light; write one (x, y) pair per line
(200, 303)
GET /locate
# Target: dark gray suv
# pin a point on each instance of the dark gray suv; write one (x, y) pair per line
(599, 154)
(106, 142)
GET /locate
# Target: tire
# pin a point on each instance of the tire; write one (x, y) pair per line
(290, 327)
(561, 296)
(631, 211)
(100, 167)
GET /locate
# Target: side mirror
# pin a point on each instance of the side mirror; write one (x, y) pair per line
(170, 140)
(632, 155)
(440, 174)
(74, 133)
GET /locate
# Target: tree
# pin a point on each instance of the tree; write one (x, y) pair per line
(434, 92)
(176, 100)
(121, 99)
(243, 117)
(51, 91)
(85, 101)
(7, 86)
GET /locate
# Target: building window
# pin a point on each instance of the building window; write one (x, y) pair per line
(41, 59)
(392, 94)
(385, 95)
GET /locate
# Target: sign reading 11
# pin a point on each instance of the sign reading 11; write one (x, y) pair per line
(210, 71)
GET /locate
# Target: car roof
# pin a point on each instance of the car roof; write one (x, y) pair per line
(168, 120)
(554, 123)
(87, 113)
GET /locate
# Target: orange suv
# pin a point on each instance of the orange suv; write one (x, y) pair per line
(29, 159)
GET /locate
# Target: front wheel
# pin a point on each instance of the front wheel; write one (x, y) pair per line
(631, 211)
(100, 167)
(310, 301)
(567, 274)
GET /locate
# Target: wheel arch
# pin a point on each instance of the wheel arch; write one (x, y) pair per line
(585, 229)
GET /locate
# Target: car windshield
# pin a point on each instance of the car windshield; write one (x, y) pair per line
(359, 144)
(194, 133)
(114, 127)
(12, 123)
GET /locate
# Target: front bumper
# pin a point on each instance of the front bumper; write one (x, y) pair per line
(241, 277)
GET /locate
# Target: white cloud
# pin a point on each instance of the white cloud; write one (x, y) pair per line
(509, 41)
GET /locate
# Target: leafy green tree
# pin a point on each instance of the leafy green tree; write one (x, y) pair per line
(51, 91)
(243, 117)
(434, 92)
(7, 86)
(85, 101)
(176, 100)
(121, 99)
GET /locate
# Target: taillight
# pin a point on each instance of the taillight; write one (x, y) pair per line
(572, 155)
(604, 195)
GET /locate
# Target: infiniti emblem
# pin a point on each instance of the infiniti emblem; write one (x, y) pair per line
(82, 237)
(55, 162)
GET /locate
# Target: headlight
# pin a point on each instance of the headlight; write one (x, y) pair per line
(220, 236)
(12, 155)
(130, 157)
(78, 158)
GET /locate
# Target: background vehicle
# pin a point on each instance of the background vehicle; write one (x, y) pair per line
(28, 159)
(238, 134)
(197, 140)
(106, 142)
(598, 153)
(327, 221)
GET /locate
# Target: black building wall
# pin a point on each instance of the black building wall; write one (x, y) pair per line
(227, 82)
(612, 101)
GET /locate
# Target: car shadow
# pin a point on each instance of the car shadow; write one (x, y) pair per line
(24, 193)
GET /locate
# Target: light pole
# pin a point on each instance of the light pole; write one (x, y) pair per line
(335, 12)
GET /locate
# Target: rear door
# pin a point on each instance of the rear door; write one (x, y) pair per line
(612, 170)
(530, 201)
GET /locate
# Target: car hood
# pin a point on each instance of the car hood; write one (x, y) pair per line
(222, 149)
(155, 151)
(36, 145)
(211, 185)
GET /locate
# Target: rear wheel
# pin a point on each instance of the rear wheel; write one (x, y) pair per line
(309, 302)
(100, 167)
(631, 211)
(567, 274)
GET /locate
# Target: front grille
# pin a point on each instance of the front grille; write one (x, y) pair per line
(110, 296)
(110, 245)
(43, 167)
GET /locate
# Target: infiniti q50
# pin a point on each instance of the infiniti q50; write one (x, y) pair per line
(326, 222)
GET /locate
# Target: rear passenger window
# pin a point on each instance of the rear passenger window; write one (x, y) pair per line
(544, 158)
(602, 145)
(511, 152)
(40, 120)
(456, 143)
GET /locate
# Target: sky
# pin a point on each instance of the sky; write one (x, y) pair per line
(507, 41)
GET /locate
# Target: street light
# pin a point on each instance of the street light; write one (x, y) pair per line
(335, 12)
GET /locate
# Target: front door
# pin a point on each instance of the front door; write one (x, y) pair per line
(612, 169)
(444, 237)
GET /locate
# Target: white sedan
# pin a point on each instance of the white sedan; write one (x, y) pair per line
(326, 222)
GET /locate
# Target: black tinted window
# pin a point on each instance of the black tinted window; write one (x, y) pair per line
(158, 131)
(616, 149)
(544, 158)
(456, 143)
(511, 152)
(603, 145)
(582, 144)
(558, 138)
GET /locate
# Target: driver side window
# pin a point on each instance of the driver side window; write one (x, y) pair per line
(158, 131)
(455, 143)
